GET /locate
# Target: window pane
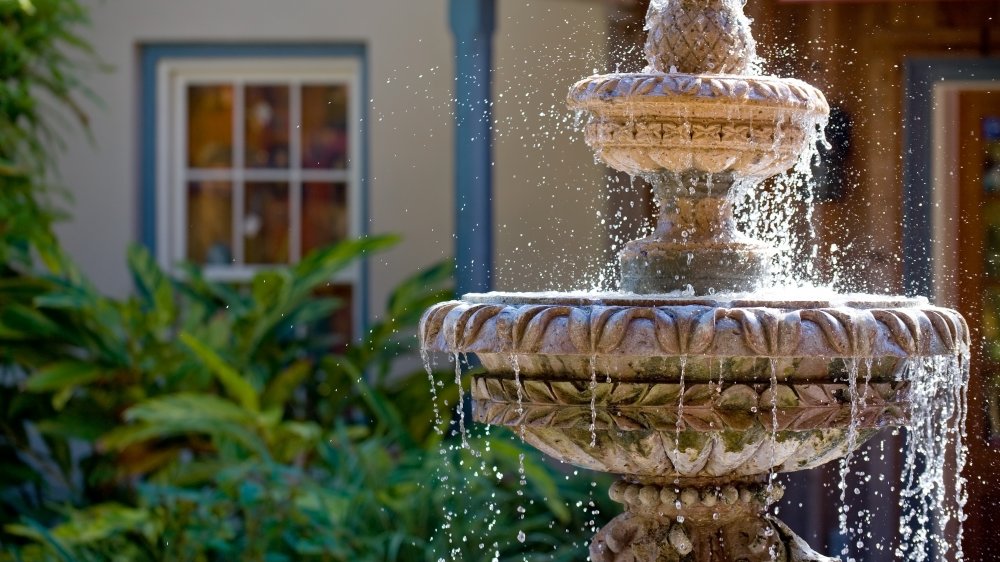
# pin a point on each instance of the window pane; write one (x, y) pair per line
(324, 127)
(210, 223)
(266, 122)
(324, 214)
(265, 223)
(210, 126)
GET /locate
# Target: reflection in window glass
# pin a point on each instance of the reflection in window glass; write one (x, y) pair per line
(266, 126)
(265, 223)
(210, 126)
(210, 223)
(324, 214)
(324, 127)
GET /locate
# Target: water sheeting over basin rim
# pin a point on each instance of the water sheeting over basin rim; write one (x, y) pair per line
(776, 297)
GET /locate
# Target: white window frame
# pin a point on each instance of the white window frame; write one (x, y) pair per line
(173, 78)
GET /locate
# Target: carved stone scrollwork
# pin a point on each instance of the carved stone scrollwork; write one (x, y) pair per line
(703, 407)
(765, 90)
(753, 126)
(662, 328)
(694, 400)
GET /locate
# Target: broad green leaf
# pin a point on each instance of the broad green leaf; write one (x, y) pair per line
(270, 288)
(236, 386)
(281, 387)
(66, 300)
(76, 424)
(37, 532)
(63, 375)
(182, 406)
(30, 322)
(99, 522)
(320, 265)
(180, 414)
(151, 283)
(409, 294)
(124, 436)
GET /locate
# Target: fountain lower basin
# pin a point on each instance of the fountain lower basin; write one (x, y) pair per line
(658, 386)
(705, 394)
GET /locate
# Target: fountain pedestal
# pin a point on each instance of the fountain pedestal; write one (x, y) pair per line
(695, 244)
(700, 520)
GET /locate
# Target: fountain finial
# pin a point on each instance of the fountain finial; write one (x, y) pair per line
(699, 37)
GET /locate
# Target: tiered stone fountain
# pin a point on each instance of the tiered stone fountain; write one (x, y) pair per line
(686, 384)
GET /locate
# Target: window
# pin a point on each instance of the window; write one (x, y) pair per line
(258, 162)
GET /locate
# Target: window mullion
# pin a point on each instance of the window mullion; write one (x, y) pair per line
(295, 169)
(239, 188)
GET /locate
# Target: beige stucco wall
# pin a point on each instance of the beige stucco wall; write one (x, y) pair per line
(411, 188)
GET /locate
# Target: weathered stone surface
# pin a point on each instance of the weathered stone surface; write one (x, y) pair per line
(695, 400)
(708, 521)
(695, 392)
(576, 328)
(699, 36)
(680, 123)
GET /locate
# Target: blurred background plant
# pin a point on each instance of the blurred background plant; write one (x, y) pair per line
(197, 420)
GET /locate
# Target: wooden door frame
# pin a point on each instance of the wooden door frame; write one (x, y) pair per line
(928, 82)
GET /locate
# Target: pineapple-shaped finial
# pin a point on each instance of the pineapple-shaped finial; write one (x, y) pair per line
(699, 37)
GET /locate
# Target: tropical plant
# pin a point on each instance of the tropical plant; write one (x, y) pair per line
(213, 424)
(40, 55)
(196, 420)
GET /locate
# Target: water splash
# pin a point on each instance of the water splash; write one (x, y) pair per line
(843, 508)
(516, 366)
(931, 523)
(593, 400)
(460, 407)
(680, 404)
(425, 357)
(774, 426)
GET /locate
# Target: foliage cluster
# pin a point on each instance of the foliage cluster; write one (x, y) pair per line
(196, 420)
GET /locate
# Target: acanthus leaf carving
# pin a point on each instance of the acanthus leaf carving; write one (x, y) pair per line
(700, 337)
(834, 331)
(667, 332)
(690, 330)
(617, 325)
(477, 320)
(432, 320)
(531, 338)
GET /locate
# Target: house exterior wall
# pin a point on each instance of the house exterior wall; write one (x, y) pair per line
(410, 185)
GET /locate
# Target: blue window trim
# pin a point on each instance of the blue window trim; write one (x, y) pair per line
(472, 25)
(918, 111)
(150, 56)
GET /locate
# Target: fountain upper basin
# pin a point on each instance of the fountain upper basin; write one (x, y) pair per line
(754, 126)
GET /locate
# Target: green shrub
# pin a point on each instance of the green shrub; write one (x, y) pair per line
(210, 423)
(197, 421)
(200, 421)
(40, 54)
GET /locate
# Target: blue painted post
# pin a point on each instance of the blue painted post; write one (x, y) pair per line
(472, 23)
